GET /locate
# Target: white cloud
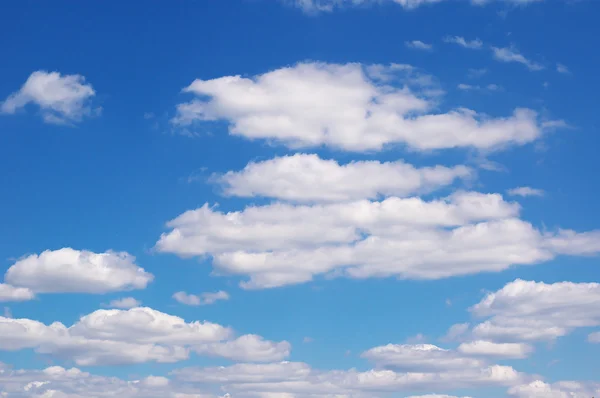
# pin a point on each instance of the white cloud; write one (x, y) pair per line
(471, 87)
(61, 98)
(298, 380)
(510, 54)
(418, 44)
(281, 244)
(525, 191)
(474, 44)
(125, 302)
(419, 357)
(73, 271)
(498, 350)
(564, 389)
(560, 68)
(203, 299)
(594, 337)
(11, 293)
(141, 334)
(318, 6)
(308, 178)
(530, 311)
(247, 348)
(58, 382)
(293, 106)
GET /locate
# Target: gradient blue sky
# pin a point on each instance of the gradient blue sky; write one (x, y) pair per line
(120, 164)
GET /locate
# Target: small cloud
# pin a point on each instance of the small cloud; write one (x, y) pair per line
(418, 45)
(449, 302)
(419, 338)
(476, 73)
(560, 68)
(202, 299)
(307, 340)
(148, 115)
(62, 99)
(467, 87)
(475, 44)
(510, 54)
(470, 87)
(125, 303)
(493, 87)
(456, 332)
(525, 191)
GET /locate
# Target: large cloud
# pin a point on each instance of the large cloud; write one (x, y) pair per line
(564, 389)
(73, 271)
(62, 99)
(135, 336)
(308, 178)
(527, 310)
(282, 244)
(347, 107)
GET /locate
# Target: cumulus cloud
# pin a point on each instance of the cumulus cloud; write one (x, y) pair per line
(308, 178)
(293, 106)
(419, 357)
(299, 380)
(203, 299)
(474, 44)
(11, 293)
(61, 98)
(281, 244)
(534, 311)
(563, 389)
(510, 54)
(525, 191)
(73, 271)
(125, 302)
(498, 350)
(137, 335)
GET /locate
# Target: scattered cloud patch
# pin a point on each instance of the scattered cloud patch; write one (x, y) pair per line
(419, 45)
(125, 302)
(510, 54)
(203, 299)
(560, 68)
(62, 99)
(525, 192)
(474, 44)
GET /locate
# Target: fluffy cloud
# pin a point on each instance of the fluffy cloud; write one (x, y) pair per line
(204, 299)
(420, 357)
(280, 244)
(247, 348)
(293, 106)
(564, 389)
(474, 44)
(498, 350)
(138, 335)
(72, 271)
(125, 302)
(526, 310)
(11, 293)
(510, 54)
(299, 380)
(308, 178)
(61, 98)
(58, 382)
(525, 191)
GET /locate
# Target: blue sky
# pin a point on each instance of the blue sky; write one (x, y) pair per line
(262, 198)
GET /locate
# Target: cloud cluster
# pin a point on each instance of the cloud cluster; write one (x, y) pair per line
(203, 299)
(62, 99)
(281, 244)
(347, 107)
(137, 335)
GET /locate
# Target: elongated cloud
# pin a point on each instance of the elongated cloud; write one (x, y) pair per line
(346, 107)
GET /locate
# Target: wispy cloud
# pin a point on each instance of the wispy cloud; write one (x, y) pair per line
(510, 54)
(419, 45)
(474, 44)
(560, 68)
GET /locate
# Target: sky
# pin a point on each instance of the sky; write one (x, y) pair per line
(299, 199)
